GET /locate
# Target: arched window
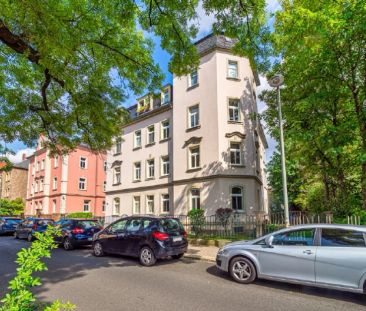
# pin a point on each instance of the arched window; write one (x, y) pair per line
(237, 198)
(195, 198)
(116, 206)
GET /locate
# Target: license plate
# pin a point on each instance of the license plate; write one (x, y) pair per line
(90, 239)
(177, 239)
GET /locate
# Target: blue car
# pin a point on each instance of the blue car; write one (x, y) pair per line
(8, 224)
(28, 227)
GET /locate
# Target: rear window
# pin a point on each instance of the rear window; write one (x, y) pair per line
(86, 224)
(170, 225)
(13, 221)
(44, 222)
(342, 238)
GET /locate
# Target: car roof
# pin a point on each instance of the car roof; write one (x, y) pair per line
(6, 217)
(153, 217)
(37, 218)
(330, 226)
(80, 219)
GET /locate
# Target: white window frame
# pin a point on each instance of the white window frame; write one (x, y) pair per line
(231, 61)
(117, 175)
(165, 164)
(54, 206)
(196, 156)
(165, 199)
(55, 161)
(41, 185)
(135, 141)
(54, 183)
(37, 166)
(190, 83)
(234, 110)
(152, 167)
(118, 146)
(235, 150)
(150, 134)
(103, 206)
(150, 199)
(195, 200)
(104, 186)
(42, 164)
(36, 187)
(135, 169)
(193, 116)
(232, 195)
(85, 161)
(165, 92)
(105, 166)
(165, 129)
(86, 203)
(116, 206)
(137, 199)
(82, 183)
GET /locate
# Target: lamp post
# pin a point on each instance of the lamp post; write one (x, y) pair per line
(276, 82)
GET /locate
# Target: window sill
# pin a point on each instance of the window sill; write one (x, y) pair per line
(193, 128)
(191, 170)
(192, 87)
(164, 140)
(82, 189)
(136, 181)
(233, 79)
(150, 178)
(237, 165)
(116, 184)
(117, 154)
(150, 144)
(234, 122)
(164, 176)
(136, 148)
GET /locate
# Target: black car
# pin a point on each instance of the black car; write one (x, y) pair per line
(149, 238)
(28, 227)
(8, 224)
(77, 232)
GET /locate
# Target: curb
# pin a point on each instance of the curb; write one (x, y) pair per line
(201, 258)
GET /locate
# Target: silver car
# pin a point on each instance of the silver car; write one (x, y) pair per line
(330, 256)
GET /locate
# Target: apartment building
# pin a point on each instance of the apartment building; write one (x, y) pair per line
(66, 184)
(196, 144)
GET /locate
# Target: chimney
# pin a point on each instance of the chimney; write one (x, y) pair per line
(24, 157)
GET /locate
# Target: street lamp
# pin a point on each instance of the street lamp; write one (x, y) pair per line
(276, 82)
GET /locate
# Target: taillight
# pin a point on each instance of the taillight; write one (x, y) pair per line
(185, 234)
(161, 236)
(34, 227)
(77, 231)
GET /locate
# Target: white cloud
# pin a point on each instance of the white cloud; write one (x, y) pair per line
(205, 21)
(16, 158)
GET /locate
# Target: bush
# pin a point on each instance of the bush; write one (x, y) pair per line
(20, 298)
(197, 218)
(223, 215)
(80, 215)
(11, 207)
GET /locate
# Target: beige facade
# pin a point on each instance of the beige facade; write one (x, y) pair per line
(14, 182)
(216, 148)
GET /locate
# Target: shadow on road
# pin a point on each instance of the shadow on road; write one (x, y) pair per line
(307, 290)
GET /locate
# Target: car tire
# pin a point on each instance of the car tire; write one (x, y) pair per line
(98, 249)
(147, 256)
(179, 256)
(29, 237)
(242, 270)
(67, 244)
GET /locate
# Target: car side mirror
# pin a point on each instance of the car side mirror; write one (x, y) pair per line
(269, 241)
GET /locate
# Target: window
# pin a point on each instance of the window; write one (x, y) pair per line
(103, 206)
(137, 139)
(117, 175)
(54, 206)
(82, 183)
(232, 69)
(257, 160)
(235, 153)
(150, 134)
(55, 161)
(54, 183)
(166, 97)
(36, 186)
(234, 110)
(194, 157)
(165, 129)
(33, 169)
(104, 186)
(303, 237)
(165, 203)
(136, 205)
(194, 116)
(137, 171)
(134, 225)
(118, 227)
(342, 238)
(86, 206)
(195, 199)
(41, 185)
(116, 206)
(118, 146)
(193, 79)
(165, 166)
(83, 162)
(150, 204)
(105, 166)
(42, 164)
(237, 198)
(150, 168)
(37, 167)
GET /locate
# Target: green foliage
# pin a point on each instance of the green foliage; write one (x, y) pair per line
(80, 215)
(20, 298)
(197, 218)
(8, 165)
(11, 207)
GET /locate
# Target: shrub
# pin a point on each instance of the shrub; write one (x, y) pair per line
(197, 218)
(80, 215)
(223, 216)
(11, 207)
(20, 298)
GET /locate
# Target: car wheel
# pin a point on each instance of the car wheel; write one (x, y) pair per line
(68, 245)
(147, 256)
(98, 249)
(16, 236)
(30, 237)
(242, 270)
(177, 256)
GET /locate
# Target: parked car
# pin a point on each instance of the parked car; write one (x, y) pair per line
(145, 237)
(330, 256)
(76, 232)
(8, 224)
(27, 228)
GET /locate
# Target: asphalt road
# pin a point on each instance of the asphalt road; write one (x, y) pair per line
(119, 283)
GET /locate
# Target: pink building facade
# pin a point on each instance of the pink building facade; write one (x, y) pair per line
(66, 184)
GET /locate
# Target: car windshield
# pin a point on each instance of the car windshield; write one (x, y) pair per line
(170, 225)
(86, 224)
(13, 221)
(44, 222)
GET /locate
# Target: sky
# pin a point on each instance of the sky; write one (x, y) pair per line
(162, 58)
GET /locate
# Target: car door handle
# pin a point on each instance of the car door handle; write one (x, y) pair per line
(308, 252)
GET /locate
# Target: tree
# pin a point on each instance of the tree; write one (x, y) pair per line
(66, 66)
(11, 207)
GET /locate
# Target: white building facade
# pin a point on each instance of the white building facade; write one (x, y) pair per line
(197, 144)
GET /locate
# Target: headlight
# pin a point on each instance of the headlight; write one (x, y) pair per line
(222, 251)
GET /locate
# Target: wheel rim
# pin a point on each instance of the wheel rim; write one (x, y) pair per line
(146, 256)
(67, 244)
(97, 249)
(242, 270)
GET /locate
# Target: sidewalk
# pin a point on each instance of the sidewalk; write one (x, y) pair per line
(206, 253)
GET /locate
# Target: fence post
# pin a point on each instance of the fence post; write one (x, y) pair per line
(259, 215)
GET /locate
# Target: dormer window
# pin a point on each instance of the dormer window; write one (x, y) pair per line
(165, 97)
(142, 106)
